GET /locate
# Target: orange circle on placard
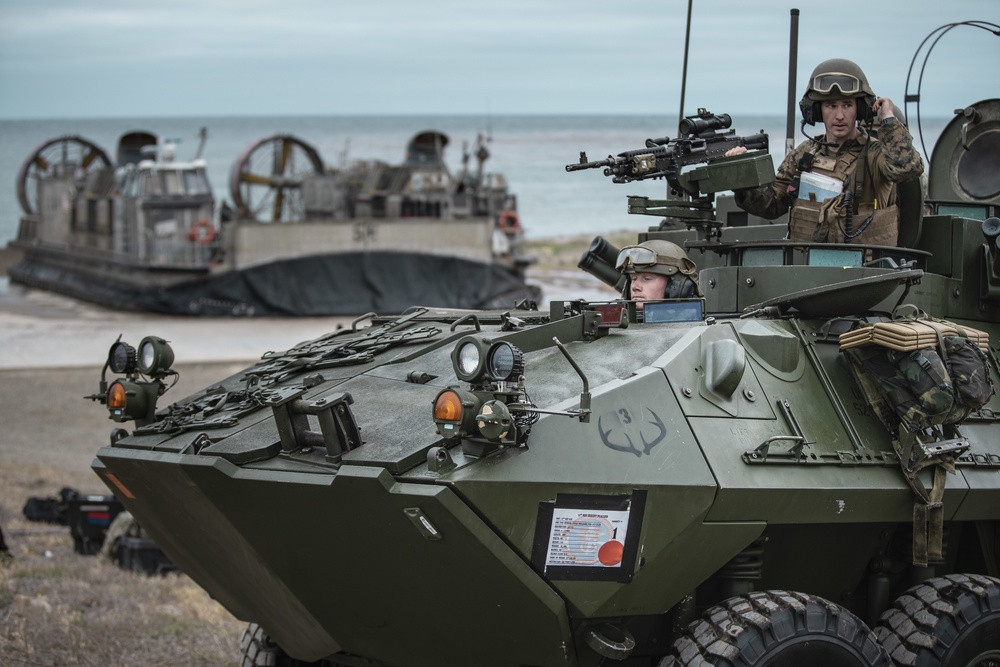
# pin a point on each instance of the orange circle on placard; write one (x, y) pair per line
(610, 553)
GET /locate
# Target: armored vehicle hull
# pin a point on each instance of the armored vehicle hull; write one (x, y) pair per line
(302, 240)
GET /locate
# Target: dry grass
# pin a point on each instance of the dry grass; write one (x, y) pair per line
(67, 609)
(61, 608)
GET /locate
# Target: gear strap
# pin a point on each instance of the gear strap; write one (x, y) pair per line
(928, 509)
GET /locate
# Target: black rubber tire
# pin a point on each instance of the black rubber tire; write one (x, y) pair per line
(777, 629)
(951, 621)
(257, 649)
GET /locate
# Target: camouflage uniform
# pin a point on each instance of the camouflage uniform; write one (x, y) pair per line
(891, 159)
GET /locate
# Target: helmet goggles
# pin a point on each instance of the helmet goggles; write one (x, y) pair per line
(635, 258)
(847, 84)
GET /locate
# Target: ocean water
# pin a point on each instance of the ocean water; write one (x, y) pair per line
(530, 151)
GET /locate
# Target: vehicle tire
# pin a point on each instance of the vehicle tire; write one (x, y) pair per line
(951, 621)
(777, 629)
(257, 649)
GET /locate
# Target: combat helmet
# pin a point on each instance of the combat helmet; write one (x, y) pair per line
(834, 79)
(664, 258)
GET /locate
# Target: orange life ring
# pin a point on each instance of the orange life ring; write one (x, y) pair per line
(509, 221)
(201, 232)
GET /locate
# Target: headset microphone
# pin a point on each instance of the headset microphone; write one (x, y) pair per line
(802, 128)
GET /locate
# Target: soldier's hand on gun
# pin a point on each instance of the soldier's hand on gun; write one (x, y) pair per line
(736, 150)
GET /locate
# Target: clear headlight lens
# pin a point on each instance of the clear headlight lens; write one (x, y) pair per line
(121, 358)
(155, 356)
(468, 361)
(504, 362)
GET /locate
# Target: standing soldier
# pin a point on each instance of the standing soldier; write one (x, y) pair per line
(859, 204)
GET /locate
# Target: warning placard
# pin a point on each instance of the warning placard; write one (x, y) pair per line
(581, 537)
(589, 536)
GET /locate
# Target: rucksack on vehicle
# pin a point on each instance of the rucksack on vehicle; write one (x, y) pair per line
(921, 376)
(920, 372)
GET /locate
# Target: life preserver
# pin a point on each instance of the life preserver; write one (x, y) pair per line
(201, 232)
(509, 222)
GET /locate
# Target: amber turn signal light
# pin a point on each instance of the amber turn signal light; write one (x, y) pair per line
(455, 412)
(116, 397)
(448, 407)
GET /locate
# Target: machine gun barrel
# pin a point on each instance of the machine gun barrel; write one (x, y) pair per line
(757, 141)
(584, 164)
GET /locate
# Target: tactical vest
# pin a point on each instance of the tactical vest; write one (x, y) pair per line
(833, 220)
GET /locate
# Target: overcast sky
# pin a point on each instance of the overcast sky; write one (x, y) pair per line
(107, 58)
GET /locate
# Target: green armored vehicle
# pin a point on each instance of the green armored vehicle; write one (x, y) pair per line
(704, 480)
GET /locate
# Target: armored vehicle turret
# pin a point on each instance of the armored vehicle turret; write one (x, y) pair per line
(759, 475)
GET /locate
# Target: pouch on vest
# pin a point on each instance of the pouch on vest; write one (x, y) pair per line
(882, 230)
(811, 220)
(825, 222)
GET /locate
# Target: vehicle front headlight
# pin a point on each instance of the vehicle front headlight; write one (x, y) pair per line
(155, 356)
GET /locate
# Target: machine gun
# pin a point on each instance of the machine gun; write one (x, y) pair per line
(701, 139)
(704, 140)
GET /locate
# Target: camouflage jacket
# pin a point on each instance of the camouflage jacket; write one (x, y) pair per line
(891, 157)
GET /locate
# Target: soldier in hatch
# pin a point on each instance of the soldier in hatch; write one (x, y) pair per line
(865, 210)
(658, 270)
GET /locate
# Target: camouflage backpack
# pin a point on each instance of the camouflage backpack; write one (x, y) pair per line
(924, 387)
